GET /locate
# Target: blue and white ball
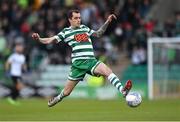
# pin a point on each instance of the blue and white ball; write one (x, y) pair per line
(133, 99)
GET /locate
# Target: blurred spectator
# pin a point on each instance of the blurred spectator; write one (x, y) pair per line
(135, 59)
(144, 7)
(138, 55)
(169, 28)
(142, 55)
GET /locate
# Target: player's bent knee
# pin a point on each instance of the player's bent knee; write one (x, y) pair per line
(103, 69)
(107, 72)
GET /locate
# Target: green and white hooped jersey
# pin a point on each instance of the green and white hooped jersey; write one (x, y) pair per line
(79, 40)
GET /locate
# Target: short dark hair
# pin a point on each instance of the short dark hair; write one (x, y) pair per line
(70, 13)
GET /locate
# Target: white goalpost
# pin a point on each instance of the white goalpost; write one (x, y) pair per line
(163, 67)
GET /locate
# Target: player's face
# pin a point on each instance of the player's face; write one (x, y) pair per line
(75, 21)
(19, 48)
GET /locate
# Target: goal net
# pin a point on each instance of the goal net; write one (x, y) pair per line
(163, 67)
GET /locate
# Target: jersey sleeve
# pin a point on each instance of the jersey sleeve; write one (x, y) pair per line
(60, 36)
(10, 59)
(90, 31)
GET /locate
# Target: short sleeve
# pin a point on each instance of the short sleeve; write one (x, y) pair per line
(10, 59)
(90, 31)
(60, 37)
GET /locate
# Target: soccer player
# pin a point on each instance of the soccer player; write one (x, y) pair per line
(16, 63)
(78, 36)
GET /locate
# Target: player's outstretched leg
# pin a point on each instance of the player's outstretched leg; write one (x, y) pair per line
(114, 80)
(127, 88)
(102, 69)
(53, 101)
(65, 92)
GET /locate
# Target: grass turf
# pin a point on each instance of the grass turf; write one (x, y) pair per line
(88, 110)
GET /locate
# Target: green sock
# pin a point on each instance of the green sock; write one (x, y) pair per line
(114, 80)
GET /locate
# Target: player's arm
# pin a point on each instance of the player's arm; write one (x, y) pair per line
(103, 28)
(49, 40)
(7, 65)
(7, 68)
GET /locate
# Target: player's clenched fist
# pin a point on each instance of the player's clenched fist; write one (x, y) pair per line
(35, 36)
(111, 17)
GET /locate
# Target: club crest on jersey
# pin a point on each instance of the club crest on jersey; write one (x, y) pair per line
(83, 37)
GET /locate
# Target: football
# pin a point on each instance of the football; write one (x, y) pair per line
(133, 99)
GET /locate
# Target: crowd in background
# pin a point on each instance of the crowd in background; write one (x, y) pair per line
(19, 18)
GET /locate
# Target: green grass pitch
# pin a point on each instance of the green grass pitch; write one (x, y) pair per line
(90, 110)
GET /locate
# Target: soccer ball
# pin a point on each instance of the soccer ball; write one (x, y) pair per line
(133, 99)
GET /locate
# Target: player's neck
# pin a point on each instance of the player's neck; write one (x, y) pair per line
(19, 53)
(74, 27)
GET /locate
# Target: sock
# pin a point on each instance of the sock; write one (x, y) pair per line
(114, 80)
(61, 95)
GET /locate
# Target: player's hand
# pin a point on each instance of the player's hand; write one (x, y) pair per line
(111, 17)
(35, 36)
